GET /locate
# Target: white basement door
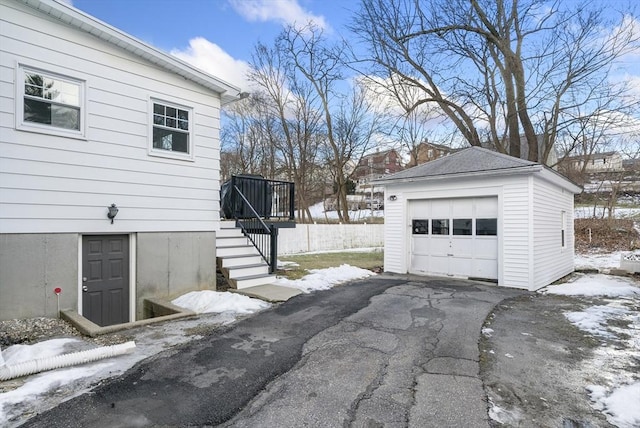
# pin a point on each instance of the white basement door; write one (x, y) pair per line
(455, 237)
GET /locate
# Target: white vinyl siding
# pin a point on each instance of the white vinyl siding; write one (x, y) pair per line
(395, 239)
(516, 236)
(529, 205)
(552, 261)
(57, 184)
(398, 223)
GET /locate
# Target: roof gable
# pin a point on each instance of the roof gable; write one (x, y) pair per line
(471, 160)
(70, 16)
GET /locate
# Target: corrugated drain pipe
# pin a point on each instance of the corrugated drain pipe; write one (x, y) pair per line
(65, 360)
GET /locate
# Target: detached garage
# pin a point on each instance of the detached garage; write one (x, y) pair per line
(480, 214)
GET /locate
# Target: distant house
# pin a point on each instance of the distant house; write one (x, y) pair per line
(377, 164)
(109, 167)
(426, 152)
(596, 162)
(551, 160)
(480, 214)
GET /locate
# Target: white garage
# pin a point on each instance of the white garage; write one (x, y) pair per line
(481, 215)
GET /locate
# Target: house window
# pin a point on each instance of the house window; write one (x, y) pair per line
(420, 227)
(440, 227)
(462, 226)
(563, 233)
(50, 103)
(171, 130)
(486, 227)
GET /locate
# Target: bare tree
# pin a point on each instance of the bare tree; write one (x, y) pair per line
(347, 130)
(290, 103)
(247, 139)
(497, 69)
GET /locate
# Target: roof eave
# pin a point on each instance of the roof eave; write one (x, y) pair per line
(492, 172)
(88, 24)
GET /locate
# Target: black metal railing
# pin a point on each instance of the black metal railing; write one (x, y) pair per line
(263, 237)
(252, 201)
(271, 199)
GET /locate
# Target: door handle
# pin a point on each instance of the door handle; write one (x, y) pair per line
(85, 288)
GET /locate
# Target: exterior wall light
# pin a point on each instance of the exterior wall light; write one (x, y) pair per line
(113, 212)
(393, 197)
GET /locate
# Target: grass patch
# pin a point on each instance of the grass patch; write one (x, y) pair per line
(368, 260)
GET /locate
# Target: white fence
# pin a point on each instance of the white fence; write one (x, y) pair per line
(324, 237)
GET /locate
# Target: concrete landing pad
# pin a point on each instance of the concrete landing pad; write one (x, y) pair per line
(269, 292)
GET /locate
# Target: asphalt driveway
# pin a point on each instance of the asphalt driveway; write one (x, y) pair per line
(386, 351)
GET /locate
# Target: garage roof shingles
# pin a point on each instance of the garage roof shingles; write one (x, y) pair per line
(473, 159)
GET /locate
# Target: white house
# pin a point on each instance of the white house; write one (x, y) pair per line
(597, 162)
(90, 117)
(480, 214)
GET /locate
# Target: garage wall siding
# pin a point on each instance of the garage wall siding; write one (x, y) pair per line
(395, 232)
(515, 232)
(552, 261)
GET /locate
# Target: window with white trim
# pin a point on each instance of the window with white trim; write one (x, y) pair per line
(563, 229)
(49, 102)
(171, 130)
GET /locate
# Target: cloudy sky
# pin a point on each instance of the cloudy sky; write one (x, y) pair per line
(216, 35)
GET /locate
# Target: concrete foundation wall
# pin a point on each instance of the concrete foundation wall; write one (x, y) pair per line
(172, 263)
(323, 237)
(31, 267)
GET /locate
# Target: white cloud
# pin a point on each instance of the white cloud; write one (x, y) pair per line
(282, 11)
(212, 59)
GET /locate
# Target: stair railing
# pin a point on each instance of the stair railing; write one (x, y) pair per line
(263, 237)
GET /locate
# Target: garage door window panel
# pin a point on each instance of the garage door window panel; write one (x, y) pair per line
(462, 226)
(440, 226)
(486, 227)
(420, 227)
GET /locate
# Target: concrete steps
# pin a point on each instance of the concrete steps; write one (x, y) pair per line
(238, 260)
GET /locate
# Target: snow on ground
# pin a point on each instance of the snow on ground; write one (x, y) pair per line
(621, 406)
(45, 390)
(42, 391)
(596, 285)
(617, 322)
(207, 301)
(323, 279)
(601, 261)
(600, 212)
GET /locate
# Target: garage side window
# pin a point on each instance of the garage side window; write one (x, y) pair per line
(563, 219)
(420, 227)
(440, 226)
(462, 226)
(486, 227)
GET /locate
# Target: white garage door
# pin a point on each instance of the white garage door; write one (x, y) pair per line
(457, 237)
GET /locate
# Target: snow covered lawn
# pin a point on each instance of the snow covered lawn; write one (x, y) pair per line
(615, 320)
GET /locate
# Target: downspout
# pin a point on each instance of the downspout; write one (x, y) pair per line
(41, 364)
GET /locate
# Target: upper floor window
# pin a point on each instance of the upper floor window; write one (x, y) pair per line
(171, 130)
(50, 103)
